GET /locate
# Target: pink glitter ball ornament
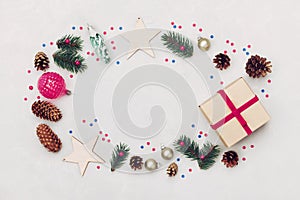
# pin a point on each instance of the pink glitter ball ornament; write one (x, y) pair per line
(52, 85)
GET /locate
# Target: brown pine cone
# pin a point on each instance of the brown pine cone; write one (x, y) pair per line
(257, 66)
(48, 138)
(172, 169)
(230, 159)
(41, 61)
(46, 110)
(136, 162)
(222, 61)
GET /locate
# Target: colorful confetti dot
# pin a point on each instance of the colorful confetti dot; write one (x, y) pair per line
(227, 41)
(51, 43)
(251, 146)
(211, 76)
(182, 176)
(98, 167)
(231, 44)
(30, 87)
(200, 29)
(112, 42)
(100, 132)
(106, 135)
(166, 60)
(43, 45)
(205, 135)
(25, 99)
(221, 82)
(199, 136)
(88, 53)
(178, 159)
(249, 46)
(190, 170)
(172, 23)
(71, 75)
(243, 159)
(83, 121)
(234, 50)
(38, 97)
(81, 28)
(173, 61)
(95, 120)
(91, 124)
(201, 132)
(114, 48)
(179, 26)
(153, 149)
(225, 52)
(148, 143)
(29, 71)
(103, 139)
(111, 28)
(193, 125)
(267, 96)
(120, 28)
(142, 147)
(244, 147)
(70, 131)
(92, 54)
(174, 26)
(244, 49)
(117, 62)
(97, 59)
(262, 90)
(108, 140)
(247, 53)
(194, 25)
(212, 36)
(269, 81)
(73, 27)
(104, 32)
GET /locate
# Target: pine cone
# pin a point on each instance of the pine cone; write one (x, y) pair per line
(41, 61)
(257, 66)
(230, 159)
(222, 61)
(48, 138)
(46, 110)
(136, 162)
(172, 169)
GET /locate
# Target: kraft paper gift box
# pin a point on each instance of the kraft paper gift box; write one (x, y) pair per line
(235, 112)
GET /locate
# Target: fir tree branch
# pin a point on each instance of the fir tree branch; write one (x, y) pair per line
(69, 60)
(208, 154)
(119, 156)
(178, 44)
(70, 42)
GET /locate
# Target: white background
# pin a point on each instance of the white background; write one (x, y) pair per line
(272, 169)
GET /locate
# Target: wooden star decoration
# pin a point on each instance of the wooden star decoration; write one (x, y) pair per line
(140, 39)
(81, 154)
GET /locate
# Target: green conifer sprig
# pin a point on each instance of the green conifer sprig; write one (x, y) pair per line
(119, 156)
(205, 156)
(69, 60)
(178, 44)
(70, 42)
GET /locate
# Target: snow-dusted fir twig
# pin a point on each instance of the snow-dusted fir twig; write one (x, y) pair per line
(98, 44)
(119, 156)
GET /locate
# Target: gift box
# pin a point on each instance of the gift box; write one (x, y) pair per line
(235, 112)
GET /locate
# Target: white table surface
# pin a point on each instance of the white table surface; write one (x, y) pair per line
(271, 170)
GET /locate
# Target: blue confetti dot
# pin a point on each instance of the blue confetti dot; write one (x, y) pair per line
(182, 176)
(247, 53)
(178, 159)
(212, 36)
(142, 147)
(262, 90)
(174, 26)
(173, 61)
(91, 124)
(118, 62)
(120, 28)
(193, 125)
(70, 131)
(244, 49)
(73, 27)
(95, 120)
(43, 45)
(211, 77)
(199, 136)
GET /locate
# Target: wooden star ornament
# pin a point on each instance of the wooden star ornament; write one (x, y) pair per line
(83, 154)
(140, 39)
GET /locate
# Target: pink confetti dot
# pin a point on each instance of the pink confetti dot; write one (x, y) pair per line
(194, 25)
(200, 29)
(179, 26)
(30, 87)
(269, 81)
(97, 59)
(202, 157)
(227, 41)
(98, 167)
(251, 146)
(232, 44)
(267, 96)
(172, 23)
(243, 147)
(221, 82)
(103, 139)
(71, 76)
(182, 48)
(104, 32)
(243, 159)
(83, 121)
(181, 143)
(81, 28)
(106, 135)
(234, 50)
(111, 28)
(38, 97)
(29, 71)
(166, 60)
(153, 149)
(190, 169)
(114, 48)
(88, 53)
(205, 135)
(225, 52)
(112, 42)
(108, 140)
(148, 143)
(249, 46)
(51, 43)
(92, 54)
(100, 132)
(25, 99)
(121, 153)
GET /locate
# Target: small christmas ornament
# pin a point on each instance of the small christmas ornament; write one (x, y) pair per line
(257, 66)
(46, 110)
(119, 156)
(172, 169)
(222, 61)
(98, 44)
(205, 156)
(178, 44)
(41, 61)
(166, 153)
(48, 138)
(52, 85)
(203, 44)
(70, 42)
(230, 159)
(70, 60)
(83, 154)
(136, 162)
(151, 164)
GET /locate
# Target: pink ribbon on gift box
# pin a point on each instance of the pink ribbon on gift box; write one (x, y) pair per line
(235, 112)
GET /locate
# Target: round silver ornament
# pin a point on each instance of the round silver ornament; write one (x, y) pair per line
(167, 153)
(151, 164)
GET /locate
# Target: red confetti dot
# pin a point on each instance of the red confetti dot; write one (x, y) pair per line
(249, 46)
(98, 167)
(190, 170)
(205, 135)
(88, 53)
(243, 159)
(200, 29)
(148, 143)
(267, 96)
(269, 81)
(100, 132)
(38, 97)
(112, 42)
(194, 25)
(201, 132)
(51, 43)
(81, 28)
(225, 52)
(103, 139)
(234, 50)
(83, 121)
(227, 41)
(153, 149)
(104, 32)
(243, 147)
(71, 76)
(92, 54)
(166, 60)
(221, 82)
(97, 59)
(29, 71)
(111, 28)
(114, 48)
(232, 44)
(108, 140)
(251, 146)
(172, 23)
(25, 99)
(179, 26)
(30, 87)
(106, 135)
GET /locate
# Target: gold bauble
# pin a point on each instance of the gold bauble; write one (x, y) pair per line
(203, 44)
(151, 164)
(167, 153)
